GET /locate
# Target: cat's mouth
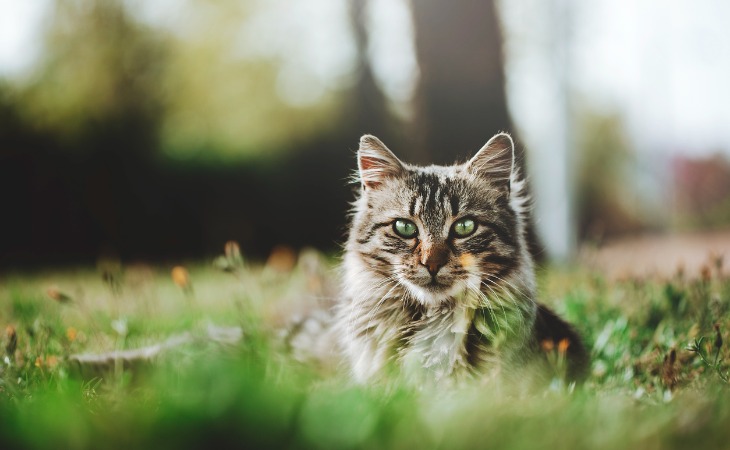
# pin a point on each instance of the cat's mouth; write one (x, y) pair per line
(433, 291)
(435, 283)
(435, 286)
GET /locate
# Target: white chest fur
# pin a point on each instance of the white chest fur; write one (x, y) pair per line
(437, 348)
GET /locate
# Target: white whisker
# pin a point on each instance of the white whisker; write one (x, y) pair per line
(496, 297)
(490, 281)
(377, 307)
(358, 307)
(484, 302)
(518, 290)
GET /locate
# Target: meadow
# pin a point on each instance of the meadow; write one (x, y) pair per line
(217, 370)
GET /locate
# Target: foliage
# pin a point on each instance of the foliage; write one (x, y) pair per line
(645, 389)
(206, 82)
(607, 203)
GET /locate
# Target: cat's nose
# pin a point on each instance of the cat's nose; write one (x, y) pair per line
(434, 258)
(433, 268)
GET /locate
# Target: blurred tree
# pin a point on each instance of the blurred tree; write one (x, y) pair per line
(89, 121)
(368, 101)
(700, 192)
(114, 95)
(237, 81)
(461, 99)
(240, 85)
(100, 78)
(107, 139)
(608, 203)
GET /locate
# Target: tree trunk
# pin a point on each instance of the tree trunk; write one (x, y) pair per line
(461, 100)
(461, 97)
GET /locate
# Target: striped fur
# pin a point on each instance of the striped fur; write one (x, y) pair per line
(477, 316)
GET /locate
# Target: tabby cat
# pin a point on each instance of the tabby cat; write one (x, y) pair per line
(438, 280)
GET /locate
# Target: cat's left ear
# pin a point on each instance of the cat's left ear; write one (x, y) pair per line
(376, 162)
(495, 161)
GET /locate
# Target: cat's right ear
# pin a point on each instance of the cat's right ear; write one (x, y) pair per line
(495, 161)
(376, 162)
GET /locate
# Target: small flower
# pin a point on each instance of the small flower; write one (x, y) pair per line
(71, 333)
(282, 259)
(231, 260)
(563, 345)
(233, 253)
(181, 278)
(120, 326)
(55, 294)
(39, 362)
(51, 361)
(547, 345)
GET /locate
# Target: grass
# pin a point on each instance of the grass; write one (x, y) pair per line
(658, 379)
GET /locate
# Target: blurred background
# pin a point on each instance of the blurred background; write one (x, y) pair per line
(159, 130)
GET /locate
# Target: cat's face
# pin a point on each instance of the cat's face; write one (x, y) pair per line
(435, 232)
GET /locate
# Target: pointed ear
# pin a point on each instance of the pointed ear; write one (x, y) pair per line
(376, 162)
(495, 161)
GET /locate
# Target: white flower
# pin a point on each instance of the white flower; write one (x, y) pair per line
(120, 326)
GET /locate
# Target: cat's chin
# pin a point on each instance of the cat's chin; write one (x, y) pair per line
(434, 294)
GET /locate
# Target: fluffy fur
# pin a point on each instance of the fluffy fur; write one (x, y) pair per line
(438, 306)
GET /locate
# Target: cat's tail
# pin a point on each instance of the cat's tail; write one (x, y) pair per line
(552, 332)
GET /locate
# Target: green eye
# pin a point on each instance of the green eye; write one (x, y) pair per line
(464, 227)
(405, 228)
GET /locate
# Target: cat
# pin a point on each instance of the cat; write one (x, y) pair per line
(438, 282)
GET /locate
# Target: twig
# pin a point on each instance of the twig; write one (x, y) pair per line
(107, 360)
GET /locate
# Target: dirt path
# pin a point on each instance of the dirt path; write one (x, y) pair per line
(660, 255)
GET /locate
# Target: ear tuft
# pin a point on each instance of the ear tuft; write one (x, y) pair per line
(495, 161)
(376, 162)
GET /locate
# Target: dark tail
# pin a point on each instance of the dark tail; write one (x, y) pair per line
(551, 330)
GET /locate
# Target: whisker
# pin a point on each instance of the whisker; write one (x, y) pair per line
(507, 292)
(356, 307)
(485, 301)
(497, 297)
(490, 280)
(492, 286)
(377, 307)
(519, 291)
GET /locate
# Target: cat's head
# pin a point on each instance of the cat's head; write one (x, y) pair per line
(438, 231)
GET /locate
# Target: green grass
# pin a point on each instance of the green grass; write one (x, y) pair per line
(254, 394)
